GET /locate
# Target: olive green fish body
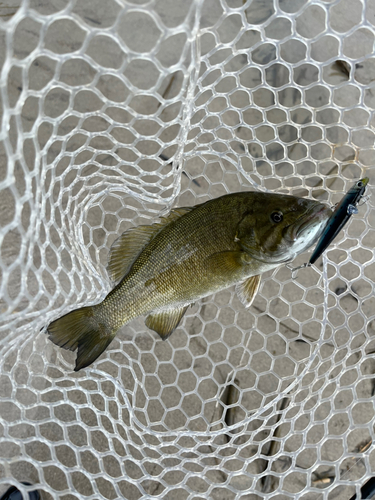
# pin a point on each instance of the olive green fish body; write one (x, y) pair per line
(161, 269)
(176, 268)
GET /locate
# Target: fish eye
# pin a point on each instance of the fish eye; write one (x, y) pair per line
(277, 217)
(359, 184)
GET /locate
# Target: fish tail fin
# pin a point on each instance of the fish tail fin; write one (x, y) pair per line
(80, 329)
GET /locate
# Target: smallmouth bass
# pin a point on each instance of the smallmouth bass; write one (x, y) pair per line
(161, 269)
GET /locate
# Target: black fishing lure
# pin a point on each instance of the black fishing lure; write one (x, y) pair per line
(342, 213)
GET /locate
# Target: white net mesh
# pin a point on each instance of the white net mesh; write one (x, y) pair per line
(114, 112)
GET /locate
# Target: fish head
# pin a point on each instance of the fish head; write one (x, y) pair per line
(279, 227)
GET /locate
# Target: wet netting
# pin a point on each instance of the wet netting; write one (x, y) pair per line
(114, 112)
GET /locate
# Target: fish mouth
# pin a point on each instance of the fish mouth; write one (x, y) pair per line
(316, 214)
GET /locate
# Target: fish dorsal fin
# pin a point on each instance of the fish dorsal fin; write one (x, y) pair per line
(247, 290)
(174, 214)
(126, 249)
(130, 244)
(165, 322)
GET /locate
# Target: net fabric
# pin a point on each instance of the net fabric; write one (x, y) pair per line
(114, 113)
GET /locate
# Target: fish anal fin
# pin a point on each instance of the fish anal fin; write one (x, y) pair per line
(130, 244)
(247, 290)
(165, 322)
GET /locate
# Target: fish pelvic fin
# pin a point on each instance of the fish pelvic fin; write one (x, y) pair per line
(126, 249)
(165, 322)
(247, 290)
(82, 330)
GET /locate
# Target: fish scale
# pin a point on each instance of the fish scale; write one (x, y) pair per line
(192, 253)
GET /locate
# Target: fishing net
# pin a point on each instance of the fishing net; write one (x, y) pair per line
(114, 112)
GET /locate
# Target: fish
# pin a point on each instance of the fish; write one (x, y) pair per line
(342, 213)
(159, 270)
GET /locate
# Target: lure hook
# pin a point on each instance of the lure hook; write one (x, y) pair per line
(364, 200)
(296, 269)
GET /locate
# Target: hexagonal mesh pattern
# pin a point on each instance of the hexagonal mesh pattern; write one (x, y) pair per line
(113, 112)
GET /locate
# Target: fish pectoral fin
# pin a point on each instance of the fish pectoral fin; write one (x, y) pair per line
(247, 290)
(165, 322)
(225, 262)
(130, 244)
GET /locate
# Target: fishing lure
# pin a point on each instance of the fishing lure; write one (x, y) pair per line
(342, 213)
